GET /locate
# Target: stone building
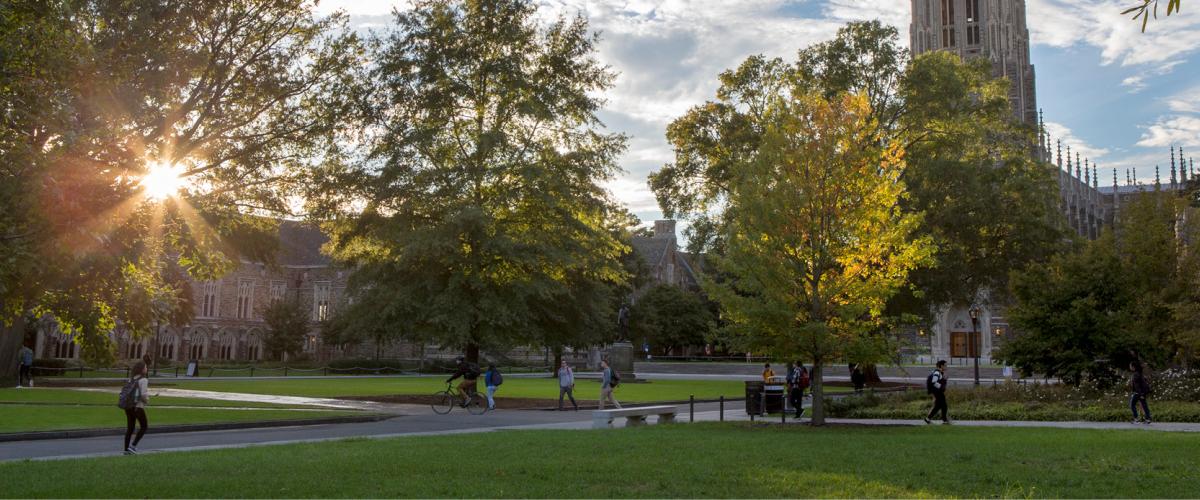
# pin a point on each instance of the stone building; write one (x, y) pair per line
(666, 265)
(997, 30)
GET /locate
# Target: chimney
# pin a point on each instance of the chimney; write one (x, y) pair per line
(664, 228)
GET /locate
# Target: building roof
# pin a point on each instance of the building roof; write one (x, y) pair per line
(1140, 188)
(300, 245)
(652, 249)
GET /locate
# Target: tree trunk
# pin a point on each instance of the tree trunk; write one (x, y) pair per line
(872, 373)
(818, 394)
(557, 362)
(473, 352)
(12, 337)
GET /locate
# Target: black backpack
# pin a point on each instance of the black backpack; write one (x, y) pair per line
(497, 378)
(616, 378)
(130, 394)
(929, 387)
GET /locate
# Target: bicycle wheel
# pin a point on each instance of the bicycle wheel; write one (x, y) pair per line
(443, 402)
(477, 405)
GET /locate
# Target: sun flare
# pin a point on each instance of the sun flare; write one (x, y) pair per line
(162, 181)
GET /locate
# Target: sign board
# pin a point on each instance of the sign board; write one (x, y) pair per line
(193, 368)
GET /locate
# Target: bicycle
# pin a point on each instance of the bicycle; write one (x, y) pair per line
(446, 400)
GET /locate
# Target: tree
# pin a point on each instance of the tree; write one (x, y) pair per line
(1150, 7)
(287, 325)
(478, 220)
(968, 171)
(816, 242)
(238, 96)
(669, 317)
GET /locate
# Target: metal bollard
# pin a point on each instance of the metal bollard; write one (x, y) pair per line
(692, 408)
(285, 370)
(325, 371)
(252, 371)
(722, 408)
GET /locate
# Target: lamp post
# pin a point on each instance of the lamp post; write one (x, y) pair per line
(975, 339)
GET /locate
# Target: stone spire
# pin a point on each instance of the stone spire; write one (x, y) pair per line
(1128, 178)
(1042, 130)
(1078, 174)
(1095, 177)
(1060, 154)
(1135, 181)
(1173, 165)
(1068, 160)
(1157, 183)
(1087, 174)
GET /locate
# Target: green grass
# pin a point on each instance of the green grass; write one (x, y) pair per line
(42, 409)
(63, 396)
(513, 387)
(30, 418)
(700, 460)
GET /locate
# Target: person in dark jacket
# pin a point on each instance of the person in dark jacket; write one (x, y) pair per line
(800, 382)
(858, 378)
(470, 374)
(1139, 388)
(935, 384)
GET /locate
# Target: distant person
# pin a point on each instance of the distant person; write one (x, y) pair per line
(138, 393)
(767, 372)
(470, 374)
(858, 378)
(492, 379)
(800, 382)
(608, 381)
(789, 381)
(1139, 386)
(935, 385)
(566, 385)
(25, 368)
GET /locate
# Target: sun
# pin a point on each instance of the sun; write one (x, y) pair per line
(162, 181)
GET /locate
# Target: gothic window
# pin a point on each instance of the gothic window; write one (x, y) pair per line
(134, 350)
(278, 288)
(208, 304)
(946, 11)
(952, 42)
(245, 303)
(972, 11)
(927, 9)
(320, 301)
(64, 347)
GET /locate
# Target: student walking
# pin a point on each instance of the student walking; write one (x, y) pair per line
(24, 371)
(800, 381)
(566, 385)
(608, 381)
(858, 378)
(137, 393)
(492, 379)
(1139, 387)
(935, 385)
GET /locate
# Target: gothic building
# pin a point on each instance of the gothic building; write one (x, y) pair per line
(993, 29)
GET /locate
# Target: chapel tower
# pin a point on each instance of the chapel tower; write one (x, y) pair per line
(994, 29)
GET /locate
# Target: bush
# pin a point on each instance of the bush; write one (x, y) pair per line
(49, 367)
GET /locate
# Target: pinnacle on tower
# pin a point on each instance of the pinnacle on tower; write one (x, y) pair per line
(1095, 177)
(1060, 154)
(1114, 181)
(1173, 164)
(1128, 179)
(1157, 184)
(1087, 174)
(1077, 172)
(1135, 181)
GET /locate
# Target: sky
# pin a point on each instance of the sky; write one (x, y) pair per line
(1119, 97)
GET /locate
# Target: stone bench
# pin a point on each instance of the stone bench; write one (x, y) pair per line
(603, 419)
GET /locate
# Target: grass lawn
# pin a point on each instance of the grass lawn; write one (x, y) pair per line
(43, 409)
(698, 460)
(657, 390)
(63, 396)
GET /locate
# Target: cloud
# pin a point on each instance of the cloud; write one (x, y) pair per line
(1099, 23)
(1187, 101)
(1172, 131)
(1060, 132)
(1137, 83)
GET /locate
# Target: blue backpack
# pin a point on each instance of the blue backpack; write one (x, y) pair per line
(130, 394)
(496, 378)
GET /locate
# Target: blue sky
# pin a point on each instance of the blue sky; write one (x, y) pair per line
(1118, 96)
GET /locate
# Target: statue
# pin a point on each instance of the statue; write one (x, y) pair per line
(623, 322)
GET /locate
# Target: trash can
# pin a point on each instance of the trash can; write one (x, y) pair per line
(774, 396)
(754, 395)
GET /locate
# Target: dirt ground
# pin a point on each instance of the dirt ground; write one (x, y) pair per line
(501, 402)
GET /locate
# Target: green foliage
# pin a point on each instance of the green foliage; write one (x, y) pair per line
(1150, 7)
(479, 219)
(1127, 295)
(287, 325)
(669, 317)
(241, 95)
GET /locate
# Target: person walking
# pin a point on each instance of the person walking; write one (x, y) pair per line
(858, 378)
(800, 381)
(492, 379)
(137, 413)
(767, 372)
(566, 385)
(935, 384)
(789, 380)
(609, 379)
(25, 368)
(1139, 387)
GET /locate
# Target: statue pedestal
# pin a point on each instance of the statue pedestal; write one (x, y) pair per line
(620, 357)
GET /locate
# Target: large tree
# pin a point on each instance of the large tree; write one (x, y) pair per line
(669, 317)
(478, 219)
(236, 97)
(815, 239)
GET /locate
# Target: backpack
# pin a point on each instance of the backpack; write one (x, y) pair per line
(929, 387)
(804, 380)
(497, 378)
(616, 378)
(130, 393)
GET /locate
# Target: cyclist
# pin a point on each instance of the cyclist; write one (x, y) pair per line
(470, 373)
